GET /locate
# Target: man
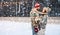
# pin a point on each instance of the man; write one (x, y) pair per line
(44, 18)
(35, 18)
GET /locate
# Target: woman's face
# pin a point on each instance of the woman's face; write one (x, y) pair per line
(38, 8)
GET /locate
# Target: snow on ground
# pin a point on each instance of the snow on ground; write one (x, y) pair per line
(15, 28)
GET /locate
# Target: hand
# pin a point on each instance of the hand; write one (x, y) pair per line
(44, 13)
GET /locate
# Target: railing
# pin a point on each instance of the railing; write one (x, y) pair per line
(53, 20)
(50, 20)
(16, 19)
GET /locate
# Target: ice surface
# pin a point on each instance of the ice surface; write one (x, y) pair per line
(52, 29)
(15, 28)
(24, 28)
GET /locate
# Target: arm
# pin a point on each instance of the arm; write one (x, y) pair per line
(45, 10)
(42, 13)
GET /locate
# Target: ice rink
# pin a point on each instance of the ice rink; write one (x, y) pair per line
(15, 28)
(52, 29)
(20, 26)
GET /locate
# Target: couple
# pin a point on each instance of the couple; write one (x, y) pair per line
(36, 19)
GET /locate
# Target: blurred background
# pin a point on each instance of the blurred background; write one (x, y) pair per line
(22, 8)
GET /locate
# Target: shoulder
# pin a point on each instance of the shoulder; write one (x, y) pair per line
(33, 10)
